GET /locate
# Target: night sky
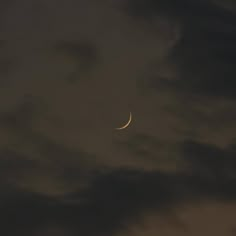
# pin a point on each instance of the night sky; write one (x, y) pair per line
(72, 71)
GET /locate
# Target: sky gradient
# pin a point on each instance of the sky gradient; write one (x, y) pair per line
(71, 71)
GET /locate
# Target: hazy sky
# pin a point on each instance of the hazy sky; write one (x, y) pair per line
(71, 71)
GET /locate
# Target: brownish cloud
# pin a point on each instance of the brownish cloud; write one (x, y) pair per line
(64, 169)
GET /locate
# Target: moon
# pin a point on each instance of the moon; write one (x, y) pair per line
(127, 124)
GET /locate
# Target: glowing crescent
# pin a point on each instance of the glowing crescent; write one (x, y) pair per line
(127, 124)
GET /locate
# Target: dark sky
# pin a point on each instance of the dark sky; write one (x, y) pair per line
(71, 71)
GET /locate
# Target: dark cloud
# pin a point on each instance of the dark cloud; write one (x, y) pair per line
(103, 209)
(6, 63)
(36, 159)
(150, 149)
(141, 145)
(14, 165)
(84, 53)
(110, 202)
(215, 161)
(22, 114)
(205, 52)
(213, 165)
(28, 158)
(63, 168)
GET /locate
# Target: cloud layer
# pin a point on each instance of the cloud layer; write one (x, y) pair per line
(70, 72)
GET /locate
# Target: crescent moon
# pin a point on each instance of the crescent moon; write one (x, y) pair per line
(127, 124)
